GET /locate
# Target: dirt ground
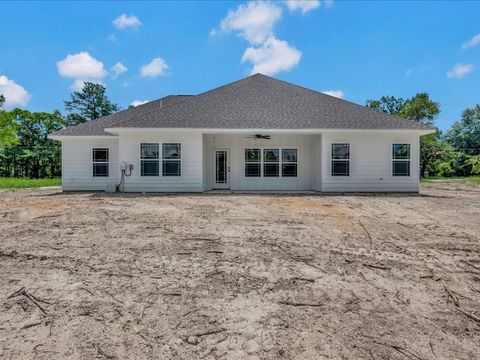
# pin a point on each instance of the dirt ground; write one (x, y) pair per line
(235, 276)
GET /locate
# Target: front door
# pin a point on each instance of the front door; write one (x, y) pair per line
(221, 175)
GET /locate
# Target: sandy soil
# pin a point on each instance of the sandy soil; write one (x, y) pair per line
(87, 276)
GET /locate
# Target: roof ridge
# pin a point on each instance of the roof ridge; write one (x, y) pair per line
(350, 102)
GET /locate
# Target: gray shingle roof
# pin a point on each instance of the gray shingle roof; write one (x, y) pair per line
(96, 127)
(256, 102)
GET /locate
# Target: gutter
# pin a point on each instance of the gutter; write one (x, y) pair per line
(119, 130)
(79, 137)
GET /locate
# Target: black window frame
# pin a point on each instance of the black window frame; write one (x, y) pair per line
(96, 163)
(170, 160)
(271, 164)
(401, 160)
(289, 163)
(149, 160)
(338, 160)
(253, 164)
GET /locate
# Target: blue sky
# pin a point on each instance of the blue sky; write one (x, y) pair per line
(358, 50)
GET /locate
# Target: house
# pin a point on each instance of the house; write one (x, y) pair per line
(258, 133)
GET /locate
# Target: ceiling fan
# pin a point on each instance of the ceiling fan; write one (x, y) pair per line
(258, 137)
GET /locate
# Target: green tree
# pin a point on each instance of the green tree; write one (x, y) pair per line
(387, 104)
(464, 135)
(419, 108)
(88, 104)
(474, 163)
(7, 129)
(34, 155)
(439, 157)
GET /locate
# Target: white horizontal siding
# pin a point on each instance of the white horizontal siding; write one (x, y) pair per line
(370, 163)
(191, 162)
(77, 164)
(239, 142)
(317, 160)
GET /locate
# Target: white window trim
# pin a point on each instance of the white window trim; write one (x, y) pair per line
(262, 162)
(161, 158)
(101, 162)
(349, 160)
(278, 162)
(394, 160)
(142, 159)
(288, 162)
(245, 162)
(167, 159)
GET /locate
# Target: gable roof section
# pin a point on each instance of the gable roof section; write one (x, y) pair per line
(97, 127)
(256, 102)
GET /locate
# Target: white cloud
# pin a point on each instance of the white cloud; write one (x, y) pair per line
(336, 93)
(408, 72)
(307, 5)
(272, 56)
(156, 67)
(118, 69)
(112, 38)
(472, 42)
(138, 102)
(81, 65)
(79, 83)
(460, 70)
(124, 21)
(254, 21)
(303, 5)
(14, 93)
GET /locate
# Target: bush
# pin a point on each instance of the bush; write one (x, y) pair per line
(444, 169)
(474, 163)
(437, 157)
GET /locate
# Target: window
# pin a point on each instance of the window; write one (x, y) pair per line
(271, 162)
(289, 162)
(171, 159)
(100, 162)
(401, 160)
(149, 158)
(252, 162)
(340, 159)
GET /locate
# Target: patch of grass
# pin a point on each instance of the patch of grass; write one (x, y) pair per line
(16, 183)
(465, 179)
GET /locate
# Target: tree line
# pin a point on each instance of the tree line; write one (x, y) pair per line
(25, 150)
